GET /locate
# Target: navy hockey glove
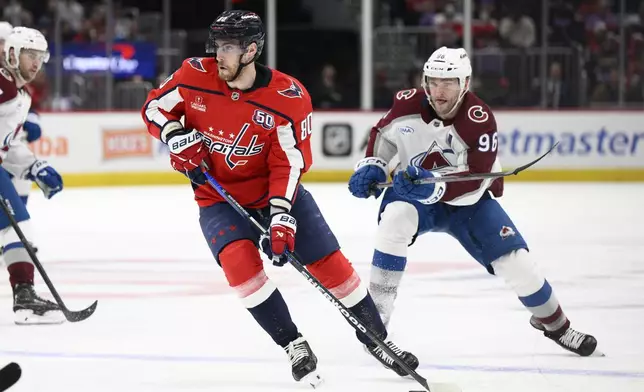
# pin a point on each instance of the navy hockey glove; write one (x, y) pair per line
(46, 177)
(187, 150)
(425, 193)
(369, 172)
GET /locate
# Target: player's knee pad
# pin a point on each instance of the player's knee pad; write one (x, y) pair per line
(396, 229)
(244, 271)
(336, 273)
(13, 249)
(520, 272)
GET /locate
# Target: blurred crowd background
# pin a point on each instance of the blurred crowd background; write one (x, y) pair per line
(526, 53)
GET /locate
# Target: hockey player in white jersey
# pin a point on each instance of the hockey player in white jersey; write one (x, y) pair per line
(449, 130)
(30, 131)
(25, 51)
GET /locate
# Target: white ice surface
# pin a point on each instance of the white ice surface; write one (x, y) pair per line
(166, 320)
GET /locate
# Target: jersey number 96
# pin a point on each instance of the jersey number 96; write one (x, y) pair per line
(487, 143)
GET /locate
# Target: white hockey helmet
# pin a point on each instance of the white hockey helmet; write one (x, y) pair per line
(5, 30)
(25, 38)
(446, 63)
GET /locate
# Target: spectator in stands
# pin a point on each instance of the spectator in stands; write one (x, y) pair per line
(326, 94)
(607, 91)
(557, 90)
(16, 14)
(518, 30)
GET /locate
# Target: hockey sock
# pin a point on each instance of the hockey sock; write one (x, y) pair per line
(386, 273)
(244, 271)
(18, 261)
(398, 225)
(535, 293)
(336, 273)
(20, 272)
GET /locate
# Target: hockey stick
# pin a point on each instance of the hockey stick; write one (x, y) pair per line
(9, 375)
(69, 315)
(348, 315)
(477, 176)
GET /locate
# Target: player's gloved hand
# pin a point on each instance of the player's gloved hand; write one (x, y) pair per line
(265, 246)
(46, 177)
(427, 193)
(282, 231)
(369, 172)
(195, 175)
(187, 150)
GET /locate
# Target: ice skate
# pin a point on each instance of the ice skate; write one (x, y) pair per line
(409, 358)
(303, 361)
(30, 309)
(574, 341)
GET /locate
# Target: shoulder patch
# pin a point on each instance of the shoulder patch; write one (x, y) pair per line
(293, 91)
(477, 114)
(406, 94)
(196, 63)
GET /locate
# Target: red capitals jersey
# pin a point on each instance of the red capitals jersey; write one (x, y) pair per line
(411, 133)
(258, 139)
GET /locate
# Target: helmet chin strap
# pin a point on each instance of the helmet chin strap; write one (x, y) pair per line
(15, 71)
(240, 68)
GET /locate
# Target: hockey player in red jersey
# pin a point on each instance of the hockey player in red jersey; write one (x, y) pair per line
(449, 130)
(251, 126)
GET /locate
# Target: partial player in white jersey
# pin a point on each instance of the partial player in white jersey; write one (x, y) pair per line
(449, 130)
(30, 131)
(25, 51)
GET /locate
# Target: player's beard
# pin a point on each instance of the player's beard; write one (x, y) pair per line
(228, 73)
(27, 76)
(443, 106)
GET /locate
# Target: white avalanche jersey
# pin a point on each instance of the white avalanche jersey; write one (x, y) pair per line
(411, 133)
(15, 156)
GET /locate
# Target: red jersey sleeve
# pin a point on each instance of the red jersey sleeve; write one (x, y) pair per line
(290, 154)
(164, 104)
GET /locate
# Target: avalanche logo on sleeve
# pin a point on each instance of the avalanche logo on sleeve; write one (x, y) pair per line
(294, 91)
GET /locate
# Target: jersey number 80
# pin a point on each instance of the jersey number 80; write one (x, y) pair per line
(306, 126)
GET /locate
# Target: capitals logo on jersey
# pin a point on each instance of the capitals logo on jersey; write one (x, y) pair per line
(233, 149)
(294, 91)
(196, 63)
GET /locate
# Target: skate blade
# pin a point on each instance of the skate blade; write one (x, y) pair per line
(440, 387)
(313, 379)
(597, 353)
(27, 317)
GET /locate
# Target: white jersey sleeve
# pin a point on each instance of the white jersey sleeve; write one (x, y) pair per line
(16, 157)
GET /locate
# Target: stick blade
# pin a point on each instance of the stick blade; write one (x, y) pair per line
(441, 387)
(81, 315)
(9, 375)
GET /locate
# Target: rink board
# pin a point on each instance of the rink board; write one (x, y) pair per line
(101, 148)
